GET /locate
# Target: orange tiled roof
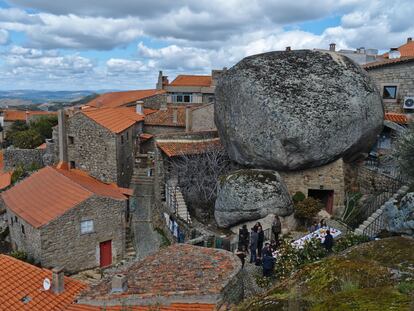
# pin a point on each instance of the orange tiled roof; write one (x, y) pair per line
(171, 307)
(165, 117)
(19, 279)
(50, 192)
(117, 99)
(20, 115)
(388, 62)
(181, 147)
(1, 161)
(192, 80)
(148, 111)
(399, 118)
(42, 146)
(406, 49)
(5, 180)
(145, 136)
(114, 119)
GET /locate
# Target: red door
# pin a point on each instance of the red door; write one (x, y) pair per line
(105, 253)
(329, 203)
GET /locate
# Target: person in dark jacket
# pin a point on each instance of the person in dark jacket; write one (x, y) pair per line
(260, 240)
(329, 241)
(253, 245)
(244, 237)
(267, 251)
(241, 253)
(268, 265)
(276, 228)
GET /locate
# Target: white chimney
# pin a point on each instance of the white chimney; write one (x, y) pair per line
(139, 107)
(58, 280)
(119, 283)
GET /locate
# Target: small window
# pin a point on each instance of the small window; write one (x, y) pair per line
(72, 164)
(23, 230)
(122, 139)
(16, 220)
(390, 92)
(11, 220)
(127, 136)
(71, 140)
(86, 226)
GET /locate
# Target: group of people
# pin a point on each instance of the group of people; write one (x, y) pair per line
(253, 242)
(328, 242)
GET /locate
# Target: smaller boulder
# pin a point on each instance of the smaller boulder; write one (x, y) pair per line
(246, 195)
(399, 218)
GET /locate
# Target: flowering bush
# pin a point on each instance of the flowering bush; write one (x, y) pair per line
(347, 241)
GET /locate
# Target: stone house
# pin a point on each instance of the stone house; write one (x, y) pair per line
(169, 119)
(103, 142)
(395, 80)
(179, 277)
(189, 89)
(67, 218)
(201, 118)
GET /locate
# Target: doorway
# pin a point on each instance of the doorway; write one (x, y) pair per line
(105, 251)
(325, 196)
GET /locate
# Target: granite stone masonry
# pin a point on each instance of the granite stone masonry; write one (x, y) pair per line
(26, 158)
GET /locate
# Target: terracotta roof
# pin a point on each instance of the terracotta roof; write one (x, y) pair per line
(20, 115)
(171, 307)
(117, 99)
(5, 180)
(165, 117)
(148, 111)
(406, 49)
(114, 119)
(20, 280)
(180, 270)
(42, 146)
(145, 136)
(50, 192)
(175, 148)
(388, 62)
(192, 80)
(1, 161)
(399, 118)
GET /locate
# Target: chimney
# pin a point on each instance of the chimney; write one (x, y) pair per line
(163, 105)
(332, 47)
(188, 119)
(175, 115)
(159, 84)
(58, 280)
(119, 283)
(288, 49)
(409, 39)
(63, 144)
(139, 107)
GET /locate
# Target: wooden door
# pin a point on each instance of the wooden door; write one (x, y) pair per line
(105, 253)
(329, 202)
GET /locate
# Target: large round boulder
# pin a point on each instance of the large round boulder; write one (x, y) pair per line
(246, 195)
(297, 109)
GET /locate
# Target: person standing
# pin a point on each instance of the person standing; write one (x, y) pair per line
(268, 265)
(276, 228)
(329, 241)
(253, 245)
(241, 253)
(260, 240)
(244, 237)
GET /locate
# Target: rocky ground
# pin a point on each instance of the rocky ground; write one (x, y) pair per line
(378, 275)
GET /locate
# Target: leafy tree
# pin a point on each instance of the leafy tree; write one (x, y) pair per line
(44, 126)
(28, 139)
(307, 209)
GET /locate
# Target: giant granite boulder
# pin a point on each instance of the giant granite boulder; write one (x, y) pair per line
(249, 195)
(297, 109)
(400, 218)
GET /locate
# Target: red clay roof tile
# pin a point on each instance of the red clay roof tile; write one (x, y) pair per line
(20, 115)
(181, 147)
(5, 180)
(388, 62)
(19, 279)
(165, 117)
(51, 192)
(405, 50)
(399, 118)
(192, 80)
(117, 99)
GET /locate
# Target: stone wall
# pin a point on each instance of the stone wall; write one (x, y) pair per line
(62, 243)
(401, 75)
(161, 129)
(327, 177)
(370, 181)
(155, 102)
(24, 157)
(202, 118)
(29, 241)
(233, 293)
(93, 149)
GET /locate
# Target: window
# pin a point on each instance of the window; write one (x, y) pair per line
(182, 98)
(86, 226)
(23, 230)
(71, 140)
(127, 135)
(122, 139)
(390, 92)
(15, 219)
(72, 164)
(11, 220)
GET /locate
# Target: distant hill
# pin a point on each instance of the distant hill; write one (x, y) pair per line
(38, 97)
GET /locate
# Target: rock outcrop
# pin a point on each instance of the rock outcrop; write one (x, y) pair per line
(297, 109)
(400, 219)
(249, 195)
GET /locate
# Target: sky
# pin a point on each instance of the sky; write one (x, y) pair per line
(122, 44)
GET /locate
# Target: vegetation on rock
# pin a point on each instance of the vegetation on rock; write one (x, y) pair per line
(307, 209)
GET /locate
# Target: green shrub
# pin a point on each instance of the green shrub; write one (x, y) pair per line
(307, 209)
(19, 255)
(348, 241)
(406, 287)
(18, 173)
(298, 196)
(28, 139)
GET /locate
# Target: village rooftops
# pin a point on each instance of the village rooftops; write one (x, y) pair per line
(180, 273)
(172, 116)
(50, 192)
(21, 288)
(21, 115)
(388, 62)
(177, 147)
(406, 50)
(114, 119)
(117, 99)
(192, 80)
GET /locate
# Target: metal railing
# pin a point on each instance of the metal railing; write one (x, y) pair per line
(375, 226)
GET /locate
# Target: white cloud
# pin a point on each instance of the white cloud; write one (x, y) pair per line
(4, 36)
(120, 66)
